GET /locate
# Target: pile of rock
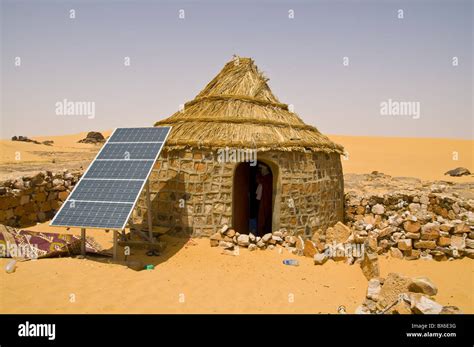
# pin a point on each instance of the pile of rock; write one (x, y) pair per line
(228, 238)
(93, 137)
(398, 294)
(31, 199)
(24, 139)
(427, 221)
(458, 172)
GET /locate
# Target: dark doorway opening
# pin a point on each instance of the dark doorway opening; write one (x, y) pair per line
(252, 199)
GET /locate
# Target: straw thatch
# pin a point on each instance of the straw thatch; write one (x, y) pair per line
(237, 109)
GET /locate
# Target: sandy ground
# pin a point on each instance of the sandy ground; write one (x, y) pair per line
(22, 158)
(192, 277)
(424, 158)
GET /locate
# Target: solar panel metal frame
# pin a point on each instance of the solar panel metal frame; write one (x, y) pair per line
(145, 180)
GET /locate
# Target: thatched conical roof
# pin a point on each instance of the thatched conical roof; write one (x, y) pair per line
(238, 109)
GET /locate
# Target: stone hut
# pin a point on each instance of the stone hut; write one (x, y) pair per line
(206, 175)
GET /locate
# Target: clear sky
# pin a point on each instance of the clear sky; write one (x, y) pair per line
(172, 59)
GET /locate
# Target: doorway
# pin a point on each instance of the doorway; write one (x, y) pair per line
(253, 199)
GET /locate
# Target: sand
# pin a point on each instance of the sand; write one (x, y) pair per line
(19, 158)
(424, 158)
(192, 277)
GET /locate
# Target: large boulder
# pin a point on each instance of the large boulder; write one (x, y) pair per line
(93, 137)
(423, 285)
(394, 285)
(459, 171)
(339, 233)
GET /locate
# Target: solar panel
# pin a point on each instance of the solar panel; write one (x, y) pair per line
(130, 151)
(107, 192)
(120, 169)
(157, 134)
(107, 215)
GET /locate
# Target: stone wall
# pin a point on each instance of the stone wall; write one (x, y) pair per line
(192, 192)
(312, 190)
(415, 220)
(31, 199)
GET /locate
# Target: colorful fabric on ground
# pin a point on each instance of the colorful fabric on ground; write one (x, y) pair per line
(27, 244)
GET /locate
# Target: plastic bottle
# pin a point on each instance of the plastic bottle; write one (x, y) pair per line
(292, 262)
(10, 267)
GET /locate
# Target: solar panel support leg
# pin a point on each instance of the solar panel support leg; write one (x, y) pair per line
(148, 206)
(83, 242)
(115, 249)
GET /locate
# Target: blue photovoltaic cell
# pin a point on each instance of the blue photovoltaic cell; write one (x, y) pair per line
(120, 169)
(106, 194)
(107, 215)
(156, 134)
(107, 190)
(130, 150)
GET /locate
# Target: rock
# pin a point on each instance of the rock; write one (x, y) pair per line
(450, 310)
(459, 171)
(315, 237)
(413, 236)
(411, 226)
(378, 209)
(320, 258)
(260, 244)
(373, 289)
(339, 233)
(278, 234)
(309, 249)
(224, 228)
(252, 237)
(469, 253)
(230, 232)
(299, 245)
(385, 232)
(225, 244)
(461, 228)
(444, 241)
(425, 244)
(396, 253)
(469, 243)
(430, 231)
(266, 237)
(422, 305)
(370, 265)
(404, 245)
(394, 285)
(447, 227)
(414, 207)
(362, 309)
(458, 242)
(291, 240)
(401, 307)
(277, 239)
(423, 285)
(93, 137)
(252, 247)
(243, 240)
(214, 239)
